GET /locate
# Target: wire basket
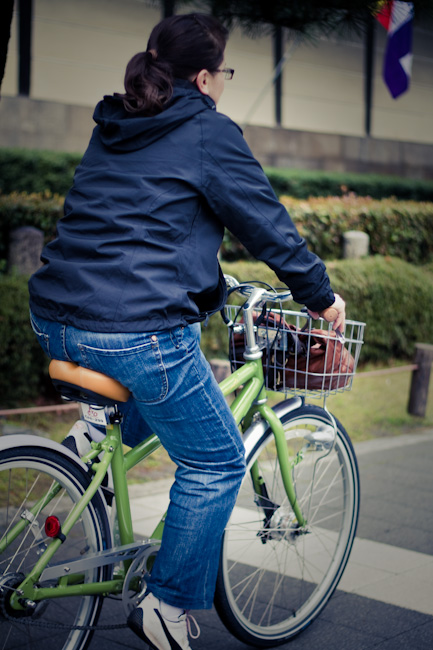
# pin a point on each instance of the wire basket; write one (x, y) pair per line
(298, 358)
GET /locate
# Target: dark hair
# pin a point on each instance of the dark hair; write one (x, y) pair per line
(178, 47)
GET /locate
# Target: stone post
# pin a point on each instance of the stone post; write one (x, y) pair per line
(355, 244)
(220, 368)
(25, 247)
(420, 379)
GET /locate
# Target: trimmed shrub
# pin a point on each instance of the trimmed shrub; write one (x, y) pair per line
(390, 295)
(393, 297)
(401, 229)
(27, 170)
(303, 184)
(20, 209)
(397, 228)
(23, 365)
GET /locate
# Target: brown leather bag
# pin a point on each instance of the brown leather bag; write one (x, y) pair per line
(320, 362)
(308, 360)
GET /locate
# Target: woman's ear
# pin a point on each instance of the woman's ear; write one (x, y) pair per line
(202, 81)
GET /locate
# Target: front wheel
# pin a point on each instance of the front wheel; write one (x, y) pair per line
(26, 475)
(275, 576)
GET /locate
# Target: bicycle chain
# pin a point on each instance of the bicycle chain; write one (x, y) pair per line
(58, 626)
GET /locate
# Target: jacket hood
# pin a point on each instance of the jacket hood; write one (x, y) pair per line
(123, 131)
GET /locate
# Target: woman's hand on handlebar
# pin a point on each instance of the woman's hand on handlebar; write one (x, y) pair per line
(335, 313)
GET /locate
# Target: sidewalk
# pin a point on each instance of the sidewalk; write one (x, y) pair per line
(385, 598)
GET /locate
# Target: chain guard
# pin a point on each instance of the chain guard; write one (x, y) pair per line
(133, 592)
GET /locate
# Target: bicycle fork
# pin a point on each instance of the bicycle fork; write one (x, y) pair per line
(250, 376)
(321, 440)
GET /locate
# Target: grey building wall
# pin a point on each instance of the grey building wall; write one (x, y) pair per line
(37, 124)
(335, 152)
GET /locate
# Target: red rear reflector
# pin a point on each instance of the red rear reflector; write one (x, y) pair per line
(52, 526)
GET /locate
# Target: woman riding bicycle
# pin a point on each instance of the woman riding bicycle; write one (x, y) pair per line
(134, 271)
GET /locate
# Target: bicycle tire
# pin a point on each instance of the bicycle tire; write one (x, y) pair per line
(25, 474)
(274, 579)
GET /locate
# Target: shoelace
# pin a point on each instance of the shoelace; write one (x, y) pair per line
(190, 619)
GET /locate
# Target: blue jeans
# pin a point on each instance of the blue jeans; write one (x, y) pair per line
(174, 394)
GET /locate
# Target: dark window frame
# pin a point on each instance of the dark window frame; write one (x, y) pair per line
(25, 16)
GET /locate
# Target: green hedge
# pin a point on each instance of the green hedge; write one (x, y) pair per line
(23, 365)
(397, 228)
(401, 229)
(305, 183)
(391, 296)
(20, 209)
(26, 170)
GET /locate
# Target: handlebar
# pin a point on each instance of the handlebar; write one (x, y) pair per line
(258, 296)
(329, 314)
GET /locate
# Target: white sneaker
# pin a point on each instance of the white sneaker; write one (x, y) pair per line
(161, 634)
(79, 440)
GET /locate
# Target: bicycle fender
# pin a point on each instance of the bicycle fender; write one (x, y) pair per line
(257, 429)
(29, 440)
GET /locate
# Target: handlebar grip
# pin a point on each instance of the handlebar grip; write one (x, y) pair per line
(329, 314)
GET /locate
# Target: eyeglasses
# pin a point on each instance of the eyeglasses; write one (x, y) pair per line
(228, 73)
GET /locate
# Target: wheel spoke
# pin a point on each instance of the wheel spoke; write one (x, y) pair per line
(27, 476)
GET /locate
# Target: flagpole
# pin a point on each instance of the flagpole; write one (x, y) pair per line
(277, 71)
(369, 71)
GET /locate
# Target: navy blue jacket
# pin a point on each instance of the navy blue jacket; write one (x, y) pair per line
(137, 247)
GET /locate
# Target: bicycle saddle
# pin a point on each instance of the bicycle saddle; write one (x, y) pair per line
(80, 384)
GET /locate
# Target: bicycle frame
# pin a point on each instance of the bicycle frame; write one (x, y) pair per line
(251, 399)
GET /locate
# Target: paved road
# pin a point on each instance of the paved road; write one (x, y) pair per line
(385, 599)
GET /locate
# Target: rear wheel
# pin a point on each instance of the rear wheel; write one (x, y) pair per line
(26, 474)
(276, 577)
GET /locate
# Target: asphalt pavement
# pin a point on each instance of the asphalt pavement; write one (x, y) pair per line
(385, 598)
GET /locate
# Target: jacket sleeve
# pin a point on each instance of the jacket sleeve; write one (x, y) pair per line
(240, 195)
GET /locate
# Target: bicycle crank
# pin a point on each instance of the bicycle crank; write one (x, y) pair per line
(137, 577)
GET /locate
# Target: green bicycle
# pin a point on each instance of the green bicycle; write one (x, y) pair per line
(67, 542)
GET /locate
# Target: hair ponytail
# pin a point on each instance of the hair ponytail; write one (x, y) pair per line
(148, 84)
(178, 47)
